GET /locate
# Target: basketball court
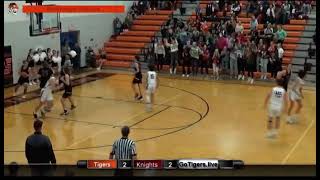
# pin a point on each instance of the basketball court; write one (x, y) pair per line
(191, 119)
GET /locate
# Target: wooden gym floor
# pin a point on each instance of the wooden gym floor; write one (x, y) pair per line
(191, 119)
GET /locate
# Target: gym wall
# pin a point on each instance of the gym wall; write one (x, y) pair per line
(98, 27)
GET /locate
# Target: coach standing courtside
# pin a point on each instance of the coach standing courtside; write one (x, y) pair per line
(124, 149)
(38, 150)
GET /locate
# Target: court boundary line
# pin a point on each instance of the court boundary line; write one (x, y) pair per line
(105, 130)
(154, 137)
(302, 136)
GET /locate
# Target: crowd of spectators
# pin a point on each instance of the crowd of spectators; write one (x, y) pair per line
(222, 43)
(139, 8)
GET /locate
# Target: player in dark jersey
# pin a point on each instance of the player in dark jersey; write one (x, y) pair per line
(285, 76)
(66, 82)
(45, 73)
(137, 79)
(23, 79)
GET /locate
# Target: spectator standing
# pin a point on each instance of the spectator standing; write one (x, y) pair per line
(236, 8)
(287, 7)
(271, 48)
(250, 56)
(215, 64)
(241, 60)
(149, 56)
(280, 52)
(271, 14)
(186, 59)
(229, 28)
(117, 26)
(198, 11)
(239, 28)
(253, 24)
(222, 42)
(268, 33)
(233, 62)
(160, 54)
(124, 148)
(273, 65)
(38, 149)
(281, 34)
(195, 52)
(90, 58)
(264, 62)
(259, 51)
(56, 62)
(205, 59)
(174, 54)
(225, 59)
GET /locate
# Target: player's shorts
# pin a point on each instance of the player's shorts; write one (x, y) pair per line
(151, 89)
(137, 79)
(46, 95)
(274, 112)
(294, 96)
(66, 94)
(23, 80)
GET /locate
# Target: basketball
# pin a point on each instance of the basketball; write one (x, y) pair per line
(72, 53)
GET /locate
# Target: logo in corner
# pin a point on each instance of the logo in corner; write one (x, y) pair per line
(13, 8)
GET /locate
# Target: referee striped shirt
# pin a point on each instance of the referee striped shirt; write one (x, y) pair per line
(123, 148)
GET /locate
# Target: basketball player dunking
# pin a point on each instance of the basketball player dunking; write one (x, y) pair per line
(66, 82)
(137, 79)
(23, 79)
(277, 100)
(152, 85)
(295, 96)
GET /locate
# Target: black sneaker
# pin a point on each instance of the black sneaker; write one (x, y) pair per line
(35, 115)
(64, 113)
(73, 107)
(139, 98)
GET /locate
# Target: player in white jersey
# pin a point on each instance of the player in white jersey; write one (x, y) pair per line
(295, 95)
(46, 97)
(152, 85)
(277, 101)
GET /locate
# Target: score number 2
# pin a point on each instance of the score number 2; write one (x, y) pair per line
(171, 164)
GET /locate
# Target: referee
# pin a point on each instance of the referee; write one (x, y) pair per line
(124, 149)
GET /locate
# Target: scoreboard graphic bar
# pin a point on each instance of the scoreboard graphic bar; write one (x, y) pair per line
(161, 164)
(198, 164)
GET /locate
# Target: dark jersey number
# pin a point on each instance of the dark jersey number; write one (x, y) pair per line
(152, 76)
(278, 94)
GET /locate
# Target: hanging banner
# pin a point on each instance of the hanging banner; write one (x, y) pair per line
(8, 75)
